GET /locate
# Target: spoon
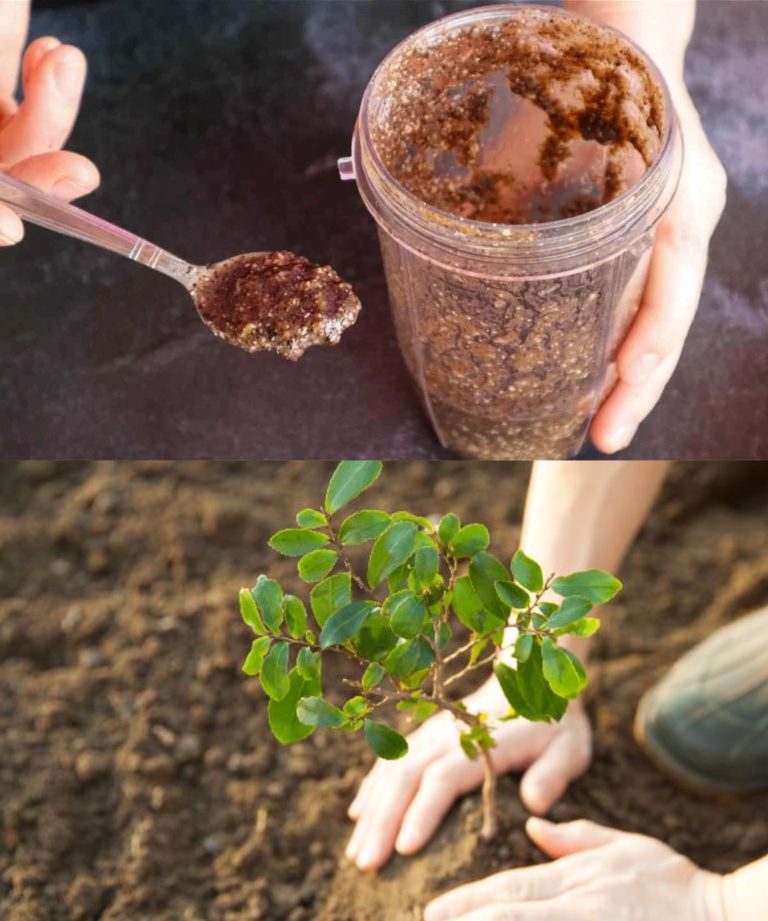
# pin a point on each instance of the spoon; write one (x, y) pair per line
(255, 301)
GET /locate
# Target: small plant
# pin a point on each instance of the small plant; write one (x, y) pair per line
(395, 617)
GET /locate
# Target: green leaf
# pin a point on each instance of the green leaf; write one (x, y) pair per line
(385, 742)
(423, 710)
(316, 565)
(309, 664)
(527, 691)
(295, 616)
(311, 518)
(283, 721)
(250, 612)
(466, 604)
(477, 649)
(346, 623)
(330, 595)
(406, 613)
(376, 638)
(571, 610)
(255, 658)
(448, 528)
(468, 745)
(578, 668)
(372, 676)
(512, 596)
(398, 580)
(547, 608)
(363, 526)
(485, 571)
(469, 540)
(315, 711)
(409, 657)
(595, 584)
(269, 598)
(350, 479)
(587, 626)
(419, 520)
(426, 564)
(274, 672)
(544, 703)
(560, 672)
(356, 707)
(527, 572)
(392, 549)
(297, 541)
(523, 647)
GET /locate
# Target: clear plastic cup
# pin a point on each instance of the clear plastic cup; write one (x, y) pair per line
(510, 329)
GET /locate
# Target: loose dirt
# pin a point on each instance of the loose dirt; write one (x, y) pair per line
(137, 775)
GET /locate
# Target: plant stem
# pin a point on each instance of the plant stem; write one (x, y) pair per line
(490, 819)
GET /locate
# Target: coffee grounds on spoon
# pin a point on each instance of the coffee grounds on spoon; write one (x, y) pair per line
(276, 301)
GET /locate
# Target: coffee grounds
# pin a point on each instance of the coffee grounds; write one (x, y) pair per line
(435, 99)
(277, 301)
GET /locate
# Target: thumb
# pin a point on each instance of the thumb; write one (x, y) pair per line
(568, 837)
(547, 779)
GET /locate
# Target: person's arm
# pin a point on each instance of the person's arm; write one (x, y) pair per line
(577, 516)
(650, 352)
(585, 515)
(596, 871)
(32, 133)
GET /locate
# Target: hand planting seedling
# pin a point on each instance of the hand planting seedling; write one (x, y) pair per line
(394, 616)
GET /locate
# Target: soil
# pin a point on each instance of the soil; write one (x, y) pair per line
(566, 83)
(278, 301)
(138, 778)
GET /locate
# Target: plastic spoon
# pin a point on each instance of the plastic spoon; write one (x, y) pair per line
(255, 301)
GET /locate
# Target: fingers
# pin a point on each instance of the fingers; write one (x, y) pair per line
(530, 884)
(650, 352)
(387, 791)
(563, 760)
(11, 227)
(441, 783)
(373, 839)
(51, 102)
(568, 837)
(653, 345)
(503, 911)
(14, 20)
(61, 173)
(33, 55)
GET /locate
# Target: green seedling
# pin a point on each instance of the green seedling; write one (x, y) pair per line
(416, 605)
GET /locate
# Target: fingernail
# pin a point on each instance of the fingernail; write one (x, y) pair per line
(619, 438)
(404, 840)
(642, 370)
(536, 821)
(69, 188)
(12, 239)
(366, 858)
(69, 73)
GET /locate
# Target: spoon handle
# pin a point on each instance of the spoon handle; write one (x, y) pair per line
(39, 208)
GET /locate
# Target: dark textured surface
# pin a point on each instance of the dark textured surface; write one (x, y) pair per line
(217, 124)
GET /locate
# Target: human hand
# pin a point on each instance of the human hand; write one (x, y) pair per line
(597, 873)
(32, 133)
(400, 803)
(650, 351)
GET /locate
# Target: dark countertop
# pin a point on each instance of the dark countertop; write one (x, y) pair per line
(216, 125)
